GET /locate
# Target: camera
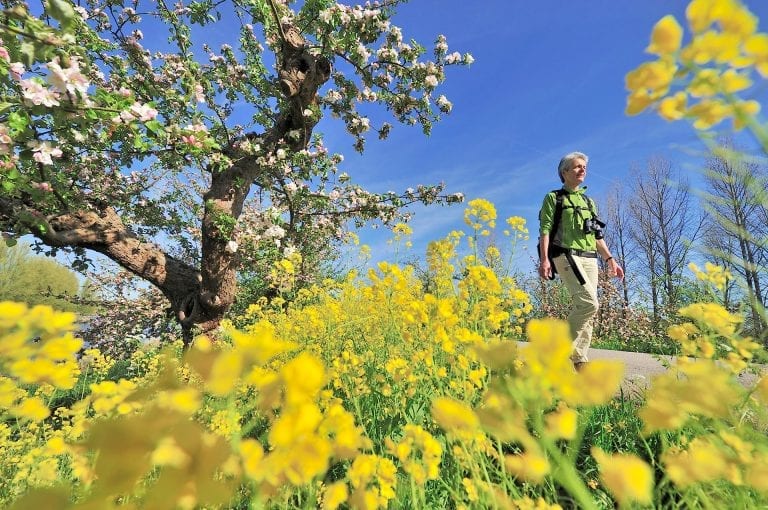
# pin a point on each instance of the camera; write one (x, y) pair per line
(594, 226)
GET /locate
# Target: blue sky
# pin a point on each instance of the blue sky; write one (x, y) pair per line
(548, 78)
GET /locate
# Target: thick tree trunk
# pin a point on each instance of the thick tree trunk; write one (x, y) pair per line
(103, 231)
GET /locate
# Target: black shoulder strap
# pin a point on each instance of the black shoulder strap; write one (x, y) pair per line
(591, 206)
(559, 194)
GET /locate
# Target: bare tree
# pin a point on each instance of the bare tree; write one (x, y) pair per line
(736, 224)
(617, 231)
(666, 224)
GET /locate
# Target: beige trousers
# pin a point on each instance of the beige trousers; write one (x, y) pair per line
(583, 302)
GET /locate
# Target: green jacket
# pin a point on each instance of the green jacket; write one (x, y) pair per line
(570, 233)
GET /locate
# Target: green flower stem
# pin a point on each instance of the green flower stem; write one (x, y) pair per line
(565, 471)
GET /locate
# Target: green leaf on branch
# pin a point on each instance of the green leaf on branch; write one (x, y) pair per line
(61, 11)
(27, 50)
(155, 127)
(17, 122)
(13, 174)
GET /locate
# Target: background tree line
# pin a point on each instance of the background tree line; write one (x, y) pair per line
(39, 280)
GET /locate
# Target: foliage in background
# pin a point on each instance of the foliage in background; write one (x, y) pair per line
(39, 280)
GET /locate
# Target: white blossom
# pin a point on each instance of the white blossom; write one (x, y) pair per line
(444, 104)
(44, 151)
(275, 232)
(453, 58)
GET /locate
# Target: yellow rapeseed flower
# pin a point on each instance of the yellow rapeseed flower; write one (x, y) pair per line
(252, 456)
(300, 421)
(562, 423)
(454, 416)
(32, 408)
(304, 377)
(225, 373)
(334, 495)
(306, 459)
(761, 389)
(597, 383)
(471, 489)
(186, 400)
(712, 316)
(705, 389)
(673, 107)
(629, 478)
(109, 395)
(757, 48)
(732, 81)
(701, 14)
(743, 112)
(638, 101)
(259, 343)
(654, 77)
(9, 392)
(531, 466)
(374, 479)
(735, 19)
(480, 213)
(61, 348)
(757, 472)
(708, 113)
(168, 453)
(666, 37)
(700, 461)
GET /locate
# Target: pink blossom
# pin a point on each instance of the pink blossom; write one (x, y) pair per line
(82, 12)
(6, 142)
(68, 80)
(42, 186)
(191, 140)
(44, 151)
(36, 94)
(9, 163)
(143, 112)
(17, 69)
(4, 54)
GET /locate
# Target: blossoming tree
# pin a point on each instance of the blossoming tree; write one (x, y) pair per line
(122, 133)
